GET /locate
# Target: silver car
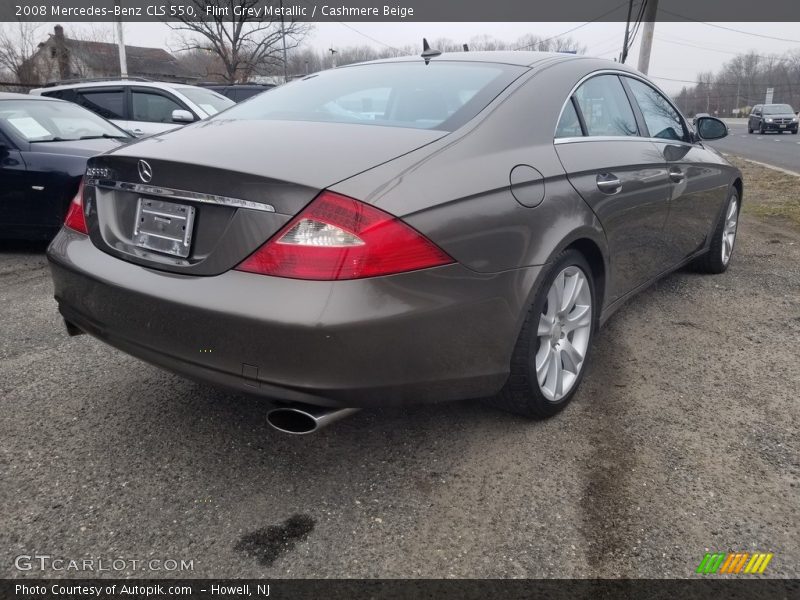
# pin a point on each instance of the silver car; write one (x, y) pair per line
(139, 106)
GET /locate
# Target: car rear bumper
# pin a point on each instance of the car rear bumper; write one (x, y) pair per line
(425, 336)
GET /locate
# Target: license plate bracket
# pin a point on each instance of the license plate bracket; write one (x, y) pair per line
(164, 226)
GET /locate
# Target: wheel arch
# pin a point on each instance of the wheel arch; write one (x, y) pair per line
(597, 261)
(738, 185)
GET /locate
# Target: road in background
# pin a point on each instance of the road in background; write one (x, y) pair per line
(777, 149)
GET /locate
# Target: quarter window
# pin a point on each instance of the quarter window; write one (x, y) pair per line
(661, 119)
(569, 125)
(605, 107)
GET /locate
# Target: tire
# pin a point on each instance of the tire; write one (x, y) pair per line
(749, 129)
(523, 394)
(794, 131)
(761, 129)
(717, 259)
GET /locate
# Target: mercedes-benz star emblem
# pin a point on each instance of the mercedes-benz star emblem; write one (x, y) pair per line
(145, 171)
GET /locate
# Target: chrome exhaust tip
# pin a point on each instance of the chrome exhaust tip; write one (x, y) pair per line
(302, 420)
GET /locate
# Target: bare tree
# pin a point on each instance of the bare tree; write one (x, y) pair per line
(245, 45)
(18, 43)
(202, 63)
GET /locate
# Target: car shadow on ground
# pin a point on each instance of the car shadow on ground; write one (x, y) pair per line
(23, 246)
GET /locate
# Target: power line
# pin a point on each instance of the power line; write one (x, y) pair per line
(563, 33)
(639, 17)
(690, 45)
(369, 37)
(760, 35)
(721, 83)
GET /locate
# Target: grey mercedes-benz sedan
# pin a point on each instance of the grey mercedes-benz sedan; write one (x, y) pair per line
(411, 230)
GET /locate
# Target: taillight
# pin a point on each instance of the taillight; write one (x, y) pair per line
(75, 219)
(337, 237)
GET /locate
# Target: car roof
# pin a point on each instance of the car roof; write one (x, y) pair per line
(112, 83)
(523, 58)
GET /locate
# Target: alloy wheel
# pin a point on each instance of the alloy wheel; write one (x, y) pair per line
(729, 230)
(564, 332)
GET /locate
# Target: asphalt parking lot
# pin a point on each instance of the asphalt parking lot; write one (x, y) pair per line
(682, 440)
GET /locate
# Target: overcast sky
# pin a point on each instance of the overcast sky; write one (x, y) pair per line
(680, 50)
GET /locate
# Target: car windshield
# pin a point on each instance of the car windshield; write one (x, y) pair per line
(778, 109)
(441, 95)
(54, 121)
(209, 100)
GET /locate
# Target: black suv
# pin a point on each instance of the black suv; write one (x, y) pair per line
(772, 117)
(238, 91)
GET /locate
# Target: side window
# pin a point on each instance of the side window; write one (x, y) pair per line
(569, 125)
(605, 107)
(661, 119)
(153, 107)
(106, 103)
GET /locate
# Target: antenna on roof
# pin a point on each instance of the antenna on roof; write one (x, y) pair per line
(427, 52)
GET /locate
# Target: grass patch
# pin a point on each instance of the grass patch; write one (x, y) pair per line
(769, 193)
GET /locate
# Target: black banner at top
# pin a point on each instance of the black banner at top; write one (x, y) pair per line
(394, 10)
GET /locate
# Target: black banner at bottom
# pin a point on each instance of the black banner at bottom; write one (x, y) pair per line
(400, 589)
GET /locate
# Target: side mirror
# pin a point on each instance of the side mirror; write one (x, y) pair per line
(711, 128)
(182, 116)
(3, 150)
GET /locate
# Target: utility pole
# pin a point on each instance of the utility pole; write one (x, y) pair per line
(123, 59)
(649, 18)
(283, 39)
(624, 54)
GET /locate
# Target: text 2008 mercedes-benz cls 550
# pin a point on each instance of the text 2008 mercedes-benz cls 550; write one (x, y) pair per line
(411, 230)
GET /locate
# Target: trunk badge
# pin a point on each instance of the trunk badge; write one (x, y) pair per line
(145, 171)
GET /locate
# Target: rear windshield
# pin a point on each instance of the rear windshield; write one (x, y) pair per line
(440, 95)
(777, 109)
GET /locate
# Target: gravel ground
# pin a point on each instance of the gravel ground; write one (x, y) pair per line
(682, 439)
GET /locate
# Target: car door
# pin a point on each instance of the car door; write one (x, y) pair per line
(620, 174)
(16, 211)
(151, 111)
(755, 118)
(697, 183)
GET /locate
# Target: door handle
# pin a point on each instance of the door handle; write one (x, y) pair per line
(677, 175)
(608, 183)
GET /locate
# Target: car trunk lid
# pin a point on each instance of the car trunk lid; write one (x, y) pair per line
(233, 184)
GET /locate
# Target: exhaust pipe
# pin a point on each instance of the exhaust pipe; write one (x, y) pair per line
(304, 419)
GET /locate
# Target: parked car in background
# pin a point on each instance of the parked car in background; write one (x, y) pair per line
(44, 144)
(238, 91)
(139, 106)
(772, 117)
(416, 236)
